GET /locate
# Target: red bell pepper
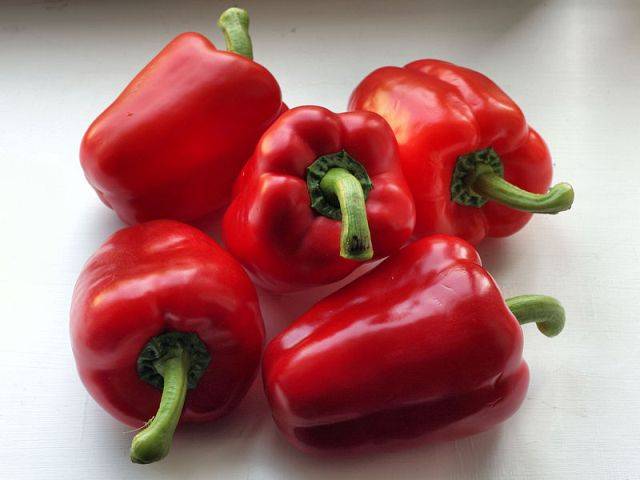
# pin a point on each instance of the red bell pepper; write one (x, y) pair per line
(422, 346)
(474, 166)
(322, 192)
(172, 143)
(160, 308)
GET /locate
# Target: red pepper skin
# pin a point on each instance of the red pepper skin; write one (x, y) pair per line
(173, 142)
(158, 277)
(270, 226)
(422, 346)
(440, 111)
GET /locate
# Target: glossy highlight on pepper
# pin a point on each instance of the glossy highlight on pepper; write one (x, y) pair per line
(173, 142)
(474, 165)
(165, 328)
(422, 347)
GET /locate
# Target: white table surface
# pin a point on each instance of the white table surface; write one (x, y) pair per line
(572, 66)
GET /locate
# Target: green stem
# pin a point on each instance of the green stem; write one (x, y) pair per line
(153, 442)
(355, 238)
(234, 23)
(545, 311)
(479, 176)
(494, 187)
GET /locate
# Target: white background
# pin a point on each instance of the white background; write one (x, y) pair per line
(574, 67)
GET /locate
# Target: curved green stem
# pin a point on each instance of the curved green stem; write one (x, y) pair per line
(479, 176)
(234, 23)
(355, 238)
(153, 442)
(494, 187)
(545, 311)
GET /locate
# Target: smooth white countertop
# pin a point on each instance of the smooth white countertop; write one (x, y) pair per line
(572, 66)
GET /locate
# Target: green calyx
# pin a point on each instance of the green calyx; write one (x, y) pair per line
(479, 177)
(161, 346)
(328, 205)
(545, 311)
(468, 168)
(338, 188)
(172, 362)
(234, 23)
